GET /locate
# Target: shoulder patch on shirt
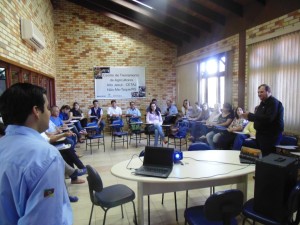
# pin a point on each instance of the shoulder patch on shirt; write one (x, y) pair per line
(48, 193)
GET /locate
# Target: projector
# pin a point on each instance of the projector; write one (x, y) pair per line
(177, 156)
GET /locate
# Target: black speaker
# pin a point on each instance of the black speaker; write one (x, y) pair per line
(275, 177)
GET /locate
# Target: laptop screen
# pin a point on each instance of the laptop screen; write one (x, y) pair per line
(158, 156)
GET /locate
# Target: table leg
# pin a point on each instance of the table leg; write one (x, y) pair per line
(243, 187)
(140, 198)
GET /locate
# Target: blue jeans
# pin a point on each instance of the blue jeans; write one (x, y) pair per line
(239, 141)
(212, 138)
(158, 131)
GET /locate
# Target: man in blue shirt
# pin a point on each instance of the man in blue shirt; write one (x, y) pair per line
(32, 189)
(133, 111)
(170, 113)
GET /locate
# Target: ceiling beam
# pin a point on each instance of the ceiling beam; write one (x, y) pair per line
(161, 18)
(165, 8)
(139, 18)
(133, 19)
(203, 11)
(231, 6)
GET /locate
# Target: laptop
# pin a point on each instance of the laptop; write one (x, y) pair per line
(158, 162)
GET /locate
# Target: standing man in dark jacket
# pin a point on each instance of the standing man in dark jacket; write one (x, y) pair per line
(268, 120)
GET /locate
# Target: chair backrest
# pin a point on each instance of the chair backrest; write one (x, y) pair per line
(224, 205)
(294, 204)
(199, 146)
(94, 181)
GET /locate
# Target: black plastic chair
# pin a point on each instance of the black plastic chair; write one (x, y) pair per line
(93, 133)
(108, 197)
(293, 205)
(220, 208)
(117, 133)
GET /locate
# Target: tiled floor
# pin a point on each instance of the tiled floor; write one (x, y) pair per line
(160, 214)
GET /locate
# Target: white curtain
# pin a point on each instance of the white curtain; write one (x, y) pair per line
(276, 62)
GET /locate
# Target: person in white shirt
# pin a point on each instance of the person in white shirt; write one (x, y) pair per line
(114, 111)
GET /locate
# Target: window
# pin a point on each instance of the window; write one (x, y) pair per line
(2, 79)
(212, 80)
(276, 62)
(11, 74)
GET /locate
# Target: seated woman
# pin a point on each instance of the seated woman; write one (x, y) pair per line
(224, 120)
(77, 114)
(201, 129)
(247, 138)
(237, 125)
(64, 114)
(154, 118)
(185, 108)
(194, 111)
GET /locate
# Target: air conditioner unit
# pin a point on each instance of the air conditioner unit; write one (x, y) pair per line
(32, 35)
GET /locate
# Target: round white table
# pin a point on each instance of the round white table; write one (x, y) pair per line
(198, 169)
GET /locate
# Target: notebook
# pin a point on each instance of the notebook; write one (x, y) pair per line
(158, 162)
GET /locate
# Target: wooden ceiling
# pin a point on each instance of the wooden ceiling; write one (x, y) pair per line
(177, 21)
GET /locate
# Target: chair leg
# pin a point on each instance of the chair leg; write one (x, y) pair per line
(103, 142)
(91, 214)
(148, 209)
(176, 213)
(162, 198)
(91, 149)
(122, 211)
(186, 198)
(104, 219)
(135, 220)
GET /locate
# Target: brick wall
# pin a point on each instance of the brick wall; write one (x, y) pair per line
(13, 48)
(86, 39)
